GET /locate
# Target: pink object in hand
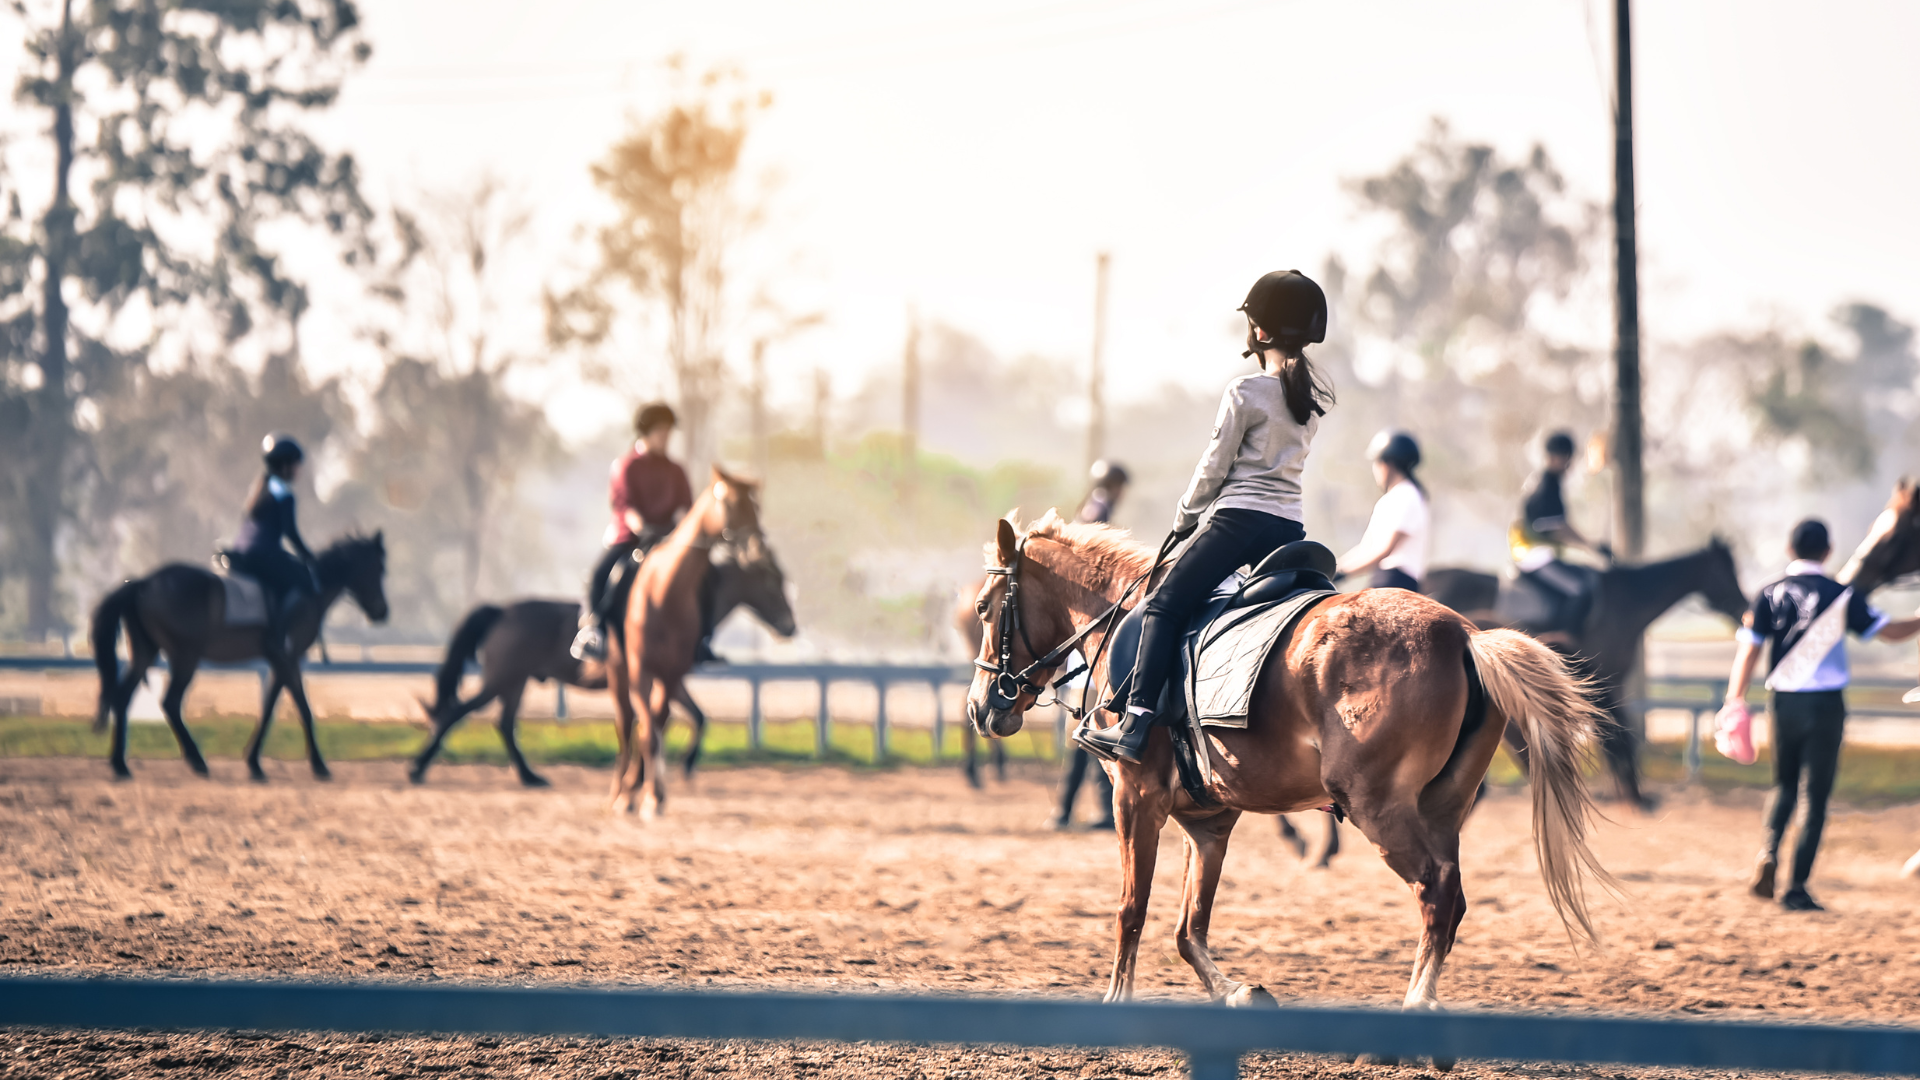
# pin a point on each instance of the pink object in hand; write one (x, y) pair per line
(1733, 733)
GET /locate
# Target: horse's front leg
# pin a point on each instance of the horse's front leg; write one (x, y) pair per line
(658, 701)
(622, 693)
(685, 698)
(1206, 852)
(1141, 802)
(297, 688)
(140, 662)
(269, 700)
(442, 726)
(509, 717)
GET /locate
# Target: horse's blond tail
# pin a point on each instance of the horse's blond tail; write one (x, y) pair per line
(1530, 684)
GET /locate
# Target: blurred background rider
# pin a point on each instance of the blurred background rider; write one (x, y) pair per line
(1109, 487)
(1395, 544)
(1540, 537)
(648, 492)
(269, 524)
(1803, 618)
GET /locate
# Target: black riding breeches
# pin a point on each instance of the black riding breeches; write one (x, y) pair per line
(1231, 538)
(1807, 730)
(277, 571)
(601, 586)
(1393, 578)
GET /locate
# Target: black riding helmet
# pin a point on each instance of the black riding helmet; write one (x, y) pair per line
(1396, 448)
(1559, 444)
(280, 450)
(1107, 473)
(1289, 307)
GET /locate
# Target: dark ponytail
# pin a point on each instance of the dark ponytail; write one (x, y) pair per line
(1308, 395)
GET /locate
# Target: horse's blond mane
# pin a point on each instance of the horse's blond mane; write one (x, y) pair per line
(1106, 556)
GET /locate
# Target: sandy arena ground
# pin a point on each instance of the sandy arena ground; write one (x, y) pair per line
(826, 879)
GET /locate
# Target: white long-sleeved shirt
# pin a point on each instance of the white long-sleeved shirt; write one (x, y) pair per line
(1256, 456)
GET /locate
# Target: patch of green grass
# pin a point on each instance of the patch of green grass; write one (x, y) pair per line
(586, 742)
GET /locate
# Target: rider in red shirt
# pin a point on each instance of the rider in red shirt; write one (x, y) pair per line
(648, 492)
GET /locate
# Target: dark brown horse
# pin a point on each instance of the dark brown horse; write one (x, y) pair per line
(661, 627)
(1627, 601)
(181, 611)
(1892, 548)
(529, 640)
(1381, 702)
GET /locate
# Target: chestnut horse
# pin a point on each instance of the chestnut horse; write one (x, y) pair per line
(1382, 703)
(662, 628)
(1892, 547)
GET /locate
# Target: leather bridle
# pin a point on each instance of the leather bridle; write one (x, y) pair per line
(1008, 685)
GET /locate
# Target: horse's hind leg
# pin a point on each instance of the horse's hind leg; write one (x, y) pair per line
(177, 680)
(1291, 837)
(1426, 855)
(1206, 852)
(442, 727)
(509, 716)
(972, 765)
(138, 663)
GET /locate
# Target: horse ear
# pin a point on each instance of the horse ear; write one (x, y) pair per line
(380, 539)
(1009, 542)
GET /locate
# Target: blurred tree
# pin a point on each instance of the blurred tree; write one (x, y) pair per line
(174, 138)
(446, 441)
(673, 181)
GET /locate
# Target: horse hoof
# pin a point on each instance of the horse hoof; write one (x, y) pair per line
(534, 780)
(121, 772)
(416, 776)
(1251, 996)
(322, 775)
(257, 776)
(1444, 1064)
(199, 769)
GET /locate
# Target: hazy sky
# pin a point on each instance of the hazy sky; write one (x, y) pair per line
(970, 161)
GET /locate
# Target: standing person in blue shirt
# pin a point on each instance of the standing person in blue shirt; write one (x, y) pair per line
(1804, 618)
(1394, 546)
(1247, 486)
(1109, 486)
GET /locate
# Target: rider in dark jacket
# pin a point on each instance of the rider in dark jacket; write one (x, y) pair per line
(268, 524)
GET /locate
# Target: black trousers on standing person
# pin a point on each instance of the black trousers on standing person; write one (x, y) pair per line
(1231, 538)
(1807, 728)
(1078, 760)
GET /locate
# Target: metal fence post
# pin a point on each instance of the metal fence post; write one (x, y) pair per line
(880, 721)
(820, 723)
(559, 700)
(753, 714)
(1693, 745)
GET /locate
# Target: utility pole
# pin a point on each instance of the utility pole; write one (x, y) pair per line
(1096, 374)
(760, 409)
(822, 401)
(1629, 472)
(910, 394)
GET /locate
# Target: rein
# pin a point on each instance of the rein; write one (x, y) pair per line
(1008, 685)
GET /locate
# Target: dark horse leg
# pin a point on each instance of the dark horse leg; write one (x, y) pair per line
(686, 701)
(1328, 848)
(177, 680)
(269, 700)
(417, 772)
(297, 687)
(142, 659)
(996, 751)
(509, 712)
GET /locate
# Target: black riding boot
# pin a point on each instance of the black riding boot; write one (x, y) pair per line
(1125, 740)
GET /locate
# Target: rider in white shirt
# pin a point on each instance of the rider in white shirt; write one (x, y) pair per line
(1395, 544)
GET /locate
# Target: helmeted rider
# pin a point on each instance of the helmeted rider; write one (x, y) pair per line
(1247, 486)
(1541, 535)
(266, 527)
(1110, 481)
(1394, 546)
(648, 492)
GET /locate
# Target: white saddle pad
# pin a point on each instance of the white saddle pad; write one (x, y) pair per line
(246, 600)
(1233, 652)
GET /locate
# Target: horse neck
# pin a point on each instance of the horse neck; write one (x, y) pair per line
(1643, 593)
(685, 549)
(1084, 592)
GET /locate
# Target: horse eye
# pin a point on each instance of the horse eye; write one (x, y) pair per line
(981, 609)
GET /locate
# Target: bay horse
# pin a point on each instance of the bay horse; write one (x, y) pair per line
(181, 611)
(530, 639)
(661, 627)
(1607, 652)
(1382, 703)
